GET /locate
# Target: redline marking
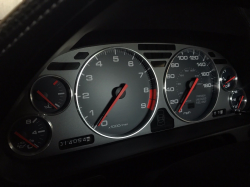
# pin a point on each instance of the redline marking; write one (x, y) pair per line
(55, 82)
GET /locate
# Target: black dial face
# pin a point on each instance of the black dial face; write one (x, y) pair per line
(191, 85)
(116, 92)
(50, 94)
(228, 79)
(30, 135)
(238, 99)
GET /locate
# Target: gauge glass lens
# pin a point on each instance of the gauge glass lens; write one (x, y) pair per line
(238, 99)
(50, 94)
(116, 92)
(191, 85)
(30, 135)
(228, 78)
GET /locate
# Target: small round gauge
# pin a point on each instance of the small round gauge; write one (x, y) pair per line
(116, 92)
(238, 99)
(50, 94)
(30, 135)
(191, 85)
(228, 78)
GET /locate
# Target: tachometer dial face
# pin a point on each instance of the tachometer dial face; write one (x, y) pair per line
(50, 94)
(238, 99)
(30, 135)
(116, 92)
(228, 79)
(191, 85)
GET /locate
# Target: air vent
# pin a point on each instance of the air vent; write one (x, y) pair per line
(157, 55)
(156, 47)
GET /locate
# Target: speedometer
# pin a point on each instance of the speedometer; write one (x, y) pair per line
(191, 85)
(116, 92)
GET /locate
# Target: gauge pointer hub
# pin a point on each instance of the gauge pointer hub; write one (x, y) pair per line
(190, 91)
(106, 111)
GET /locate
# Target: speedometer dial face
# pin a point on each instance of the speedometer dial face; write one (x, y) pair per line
(116, 92)
(191, 85)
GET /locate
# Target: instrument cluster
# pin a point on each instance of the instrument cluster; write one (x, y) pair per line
(97, 95)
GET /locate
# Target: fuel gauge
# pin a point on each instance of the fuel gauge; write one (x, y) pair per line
(228, 78)
(30, 135)
(238, 99)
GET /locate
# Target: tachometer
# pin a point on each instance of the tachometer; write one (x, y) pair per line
(191, 85)
(116, 92)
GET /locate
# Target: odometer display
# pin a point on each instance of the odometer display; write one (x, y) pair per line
(191, 85)
(116, 92)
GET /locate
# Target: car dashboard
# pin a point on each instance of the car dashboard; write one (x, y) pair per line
(143, 87)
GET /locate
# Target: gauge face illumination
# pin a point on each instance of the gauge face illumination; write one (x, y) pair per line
(191, 85)
(238, 99)
(116, 92)
(30, 135)
(50, 94)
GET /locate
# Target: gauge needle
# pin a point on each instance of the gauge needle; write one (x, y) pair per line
(229, 81)
(43, 96)
(20, 136)
(112, 104)
(240, 101)
(190, 91)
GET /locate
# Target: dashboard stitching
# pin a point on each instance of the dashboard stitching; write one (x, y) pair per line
(40, 17)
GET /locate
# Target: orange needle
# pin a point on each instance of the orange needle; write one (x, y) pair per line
(20, 136)
(43, 96)
(229, 81)
(240, 101)
(113, 104)
(190, 91)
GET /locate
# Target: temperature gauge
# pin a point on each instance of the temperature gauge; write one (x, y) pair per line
(228, 79)
(50, 95)
(30, 135)
(238, 99)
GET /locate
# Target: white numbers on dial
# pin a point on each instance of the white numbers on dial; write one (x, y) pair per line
(146, 90)
(89, 77)
(91, 112)
(85, 95)
(141, 74)
(104, 123)
(130, 63)
(143, 105)
(115, 59)
(174, 101)
(174, 65)
(170, 76)
(182, 57)
(99, 63)
(170, 89)
(201, 64)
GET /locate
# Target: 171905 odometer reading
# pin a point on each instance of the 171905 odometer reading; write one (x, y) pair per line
(116, 92)
(191, 85)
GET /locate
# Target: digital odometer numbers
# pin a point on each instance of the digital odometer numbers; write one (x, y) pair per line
(191, 85)
(116, 92)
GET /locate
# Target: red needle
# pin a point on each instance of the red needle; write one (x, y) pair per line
(20, 136)
(240, 101)
(114, 102)
(43, 96)
(190, 91)
(228, 81)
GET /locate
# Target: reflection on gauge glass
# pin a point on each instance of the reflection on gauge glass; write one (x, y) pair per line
(238, 99)
(191, 85)
(50, 94)
(116, 92)
(228, 78)
(30, 135)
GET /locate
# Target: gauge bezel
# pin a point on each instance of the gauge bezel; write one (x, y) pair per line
(68, 89)
(231, 96)
(217, 88)
(12, 147)
(236, 80)
(76, 91)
